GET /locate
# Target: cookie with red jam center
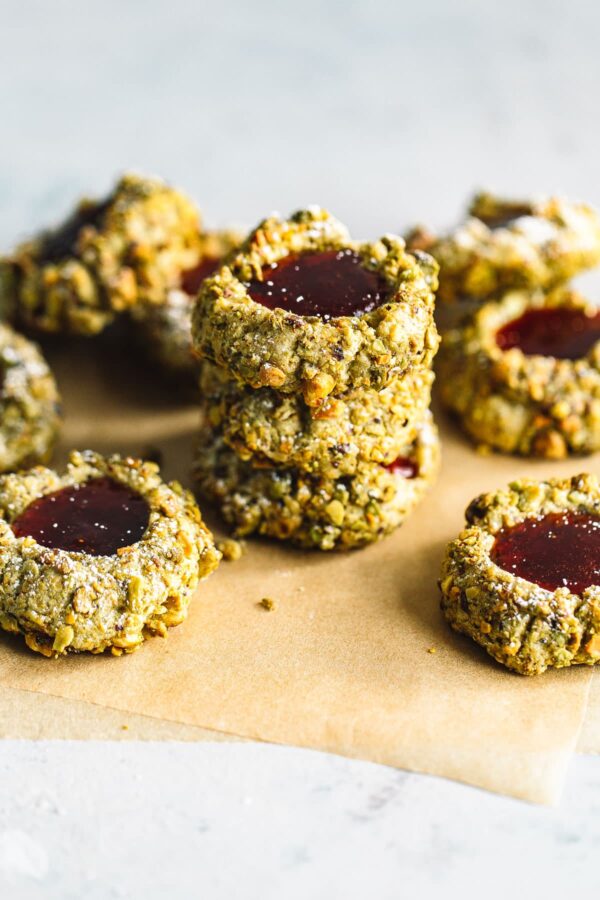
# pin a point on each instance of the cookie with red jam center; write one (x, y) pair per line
(110, 256)
(523, 374)
(99, 557)
(505, 245)
(523, 578)
(306, 310)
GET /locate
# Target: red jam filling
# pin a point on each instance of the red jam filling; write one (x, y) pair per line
(328, 284)
(403, 466)
(562, 333)
(193, 278)
(97, 517)
(557, 550)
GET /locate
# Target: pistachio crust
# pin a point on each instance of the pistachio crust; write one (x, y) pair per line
(166, 330)
(29, 403)
(63, 601)
(522, 625)
(334, 439)
(506, 400)
(276, 348)
(309, 510)
(506, 244)
(108, 257)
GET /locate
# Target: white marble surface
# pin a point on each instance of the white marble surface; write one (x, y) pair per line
(236, 821)
(386, 112)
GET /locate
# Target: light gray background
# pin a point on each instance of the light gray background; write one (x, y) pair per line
(386, 112)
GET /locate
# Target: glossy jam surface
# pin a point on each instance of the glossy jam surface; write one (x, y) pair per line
(60, 244)
(557, 550)
(404, 467)
(328, 284)
(193, 278)
(97, 517)
(562, 333)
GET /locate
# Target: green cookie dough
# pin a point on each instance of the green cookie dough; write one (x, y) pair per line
(166, 330)
(109, 256)
(522, 625)
(309, 510)
(29, 403)
(64, 601)
(515, 403)
(276, 348)
(334, 439)
(507, 244)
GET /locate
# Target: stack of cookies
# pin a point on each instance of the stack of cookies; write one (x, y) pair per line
(316, 383)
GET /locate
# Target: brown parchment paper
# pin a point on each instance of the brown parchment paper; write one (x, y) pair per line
(29, 715)
(343, 663)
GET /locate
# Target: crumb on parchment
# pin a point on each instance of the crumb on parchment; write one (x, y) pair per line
(268, 604)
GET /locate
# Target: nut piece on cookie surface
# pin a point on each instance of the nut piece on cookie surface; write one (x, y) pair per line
(29, 403)
(99, 557)
(305, 309)
(311, 510)
(523, 578)
(523, 374)
(108, 257)
(512, 244)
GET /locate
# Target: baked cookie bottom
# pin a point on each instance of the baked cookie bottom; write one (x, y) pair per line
(506, 245)
(362, 426)
(522, 625)
(65, 601)
(108, 257)
(312, 511)
(29, 403)
(527, 405)
(311, 355)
